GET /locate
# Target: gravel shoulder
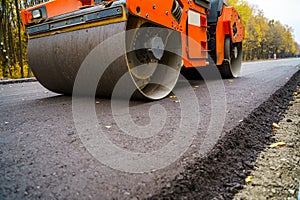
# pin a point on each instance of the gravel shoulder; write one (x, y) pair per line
(276, 173)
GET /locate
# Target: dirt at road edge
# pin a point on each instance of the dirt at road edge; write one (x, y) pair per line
(276, 174)
(221, 174)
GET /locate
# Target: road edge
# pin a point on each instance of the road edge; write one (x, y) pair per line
(222, 173)
(19, 80)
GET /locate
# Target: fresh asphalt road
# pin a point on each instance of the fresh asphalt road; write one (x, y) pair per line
(42, 154)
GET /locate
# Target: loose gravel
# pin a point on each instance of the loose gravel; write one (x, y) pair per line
(222, 173)
(276, 173)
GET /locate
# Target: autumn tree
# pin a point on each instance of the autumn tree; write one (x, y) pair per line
(13, 41)
(264, 37)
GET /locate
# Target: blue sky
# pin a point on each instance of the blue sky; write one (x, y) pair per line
(287, 12)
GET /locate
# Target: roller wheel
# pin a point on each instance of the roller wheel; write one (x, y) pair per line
(153, 68)
(232, 63)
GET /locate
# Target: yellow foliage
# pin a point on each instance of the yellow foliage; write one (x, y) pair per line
(264, 37)
(248, 179)
(15, 72)
(278, 144)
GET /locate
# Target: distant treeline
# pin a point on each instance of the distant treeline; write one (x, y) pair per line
(264, 37)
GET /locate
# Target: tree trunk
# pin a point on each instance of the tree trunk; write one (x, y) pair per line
(20, 39)
(3, 39)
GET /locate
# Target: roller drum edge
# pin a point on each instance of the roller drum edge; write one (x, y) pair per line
(56, 59)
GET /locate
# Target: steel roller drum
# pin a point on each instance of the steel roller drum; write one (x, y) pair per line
(55, 59)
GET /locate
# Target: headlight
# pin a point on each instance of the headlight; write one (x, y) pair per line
(36, 14)
(39, 13)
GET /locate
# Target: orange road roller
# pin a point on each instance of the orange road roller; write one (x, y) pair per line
(177, 33)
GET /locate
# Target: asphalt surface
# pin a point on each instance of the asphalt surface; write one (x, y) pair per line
(42, 155)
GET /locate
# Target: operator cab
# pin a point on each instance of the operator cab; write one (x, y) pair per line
(212, 19)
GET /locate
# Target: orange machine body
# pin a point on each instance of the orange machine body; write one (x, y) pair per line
(229, 24)
(192, 23)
